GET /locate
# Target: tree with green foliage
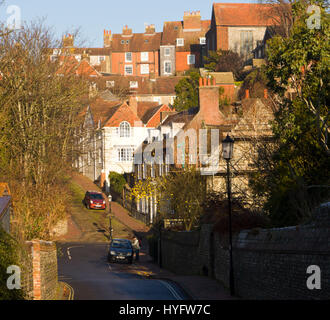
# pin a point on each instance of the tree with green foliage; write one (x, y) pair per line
(117, 182)
(256, 82)
(225, 61)
(187, 92)
(294, 175)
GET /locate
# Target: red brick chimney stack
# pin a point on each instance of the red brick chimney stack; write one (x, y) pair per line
(192, 20)
(107, 38)
(151, 29)
(127, 31)
(209, 101)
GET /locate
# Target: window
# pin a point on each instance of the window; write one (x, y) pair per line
(125, 154)
(139, 172)
(110, 84)
(133, 84)
(125, 130)
(128, 56)
(89, 158)
(202, 40)
(146, 41)
(101, 59)
(152, 171)
(180, 42)
(144, 173)
(167, 67)
(160, 170)
(144, 69)
(144, 56)
(246, 44)
(191, 59)
(128, 70)
(167, 52)
(122, 41)
(127, 41)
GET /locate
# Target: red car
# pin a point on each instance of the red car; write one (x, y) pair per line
(94, 200)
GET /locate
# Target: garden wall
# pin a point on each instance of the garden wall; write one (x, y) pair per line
(268, 264)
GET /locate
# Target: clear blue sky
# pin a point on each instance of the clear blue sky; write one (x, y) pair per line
(94, 16)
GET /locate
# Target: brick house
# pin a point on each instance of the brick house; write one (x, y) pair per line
(238, 27)
(134, 54)
(183, 44)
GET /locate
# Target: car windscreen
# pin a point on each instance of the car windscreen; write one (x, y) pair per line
(97, 196)
(121, 245)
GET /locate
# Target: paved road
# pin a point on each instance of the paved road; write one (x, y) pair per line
(85, 268)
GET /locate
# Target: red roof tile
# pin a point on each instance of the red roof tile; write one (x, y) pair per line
(242, 14)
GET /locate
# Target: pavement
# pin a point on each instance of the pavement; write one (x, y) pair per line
(196, 287)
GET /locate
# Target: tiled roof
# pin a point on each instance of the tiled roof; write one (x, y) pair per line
(242, 14)
(123, 113)
(150, 113)
(82, 68)
(102, 110)
(85, 69)
(181, 117)
(4, 203)
(138, 42)
(144, 106)
(220, 77)
(174, 30)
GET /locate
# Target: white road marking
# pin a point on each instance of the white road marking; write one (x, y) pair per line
(169, 287)
(68, 251)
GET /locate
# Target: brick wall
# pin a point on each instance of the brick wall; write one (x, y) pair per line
(268, 263)
(39, 274)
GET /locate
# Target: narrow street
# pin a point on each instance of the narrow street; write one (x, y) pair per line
(85, 268)
(82, 258)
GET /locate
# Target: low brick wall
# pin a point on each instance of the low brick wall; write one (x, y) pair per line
(268, 264)
(39, 274)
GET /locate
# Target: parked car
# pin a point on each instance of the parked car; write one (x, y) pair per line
(94, 200)
(120, 250)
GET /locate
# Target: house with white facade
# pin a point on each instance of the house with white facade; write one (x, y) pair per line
(110, 134)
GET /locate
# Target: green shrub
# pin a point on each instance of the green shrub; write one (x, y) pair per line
(8, 257)
(117, 182)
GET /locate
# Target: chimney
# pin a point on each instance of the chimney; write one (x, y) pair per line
(107, 39)
(266, 94)
(127, 32)
(151, 29)
(68, 41)
(247, 94)
(209, 102)
(133, 103)
(192, 20)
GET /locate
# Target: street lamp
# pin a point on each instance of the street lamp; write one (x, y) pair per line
(228, 148)
(110, 200)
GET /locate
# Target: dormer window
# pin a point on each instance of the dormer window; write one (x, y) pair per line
(125, 130)
(180, 42)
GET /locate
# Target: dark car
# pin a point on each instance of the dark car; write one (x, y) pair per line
(94, 200)
(120, 250)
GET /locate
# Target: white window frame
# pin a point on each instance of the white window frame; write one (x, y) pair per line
(152, 171)
(165, 62)
(169, 52)
(189, 56)
(100, 155)
(128, 66)
(144, 56)
(126, 57)
(180, 42)
(144, 69)
(125, 154)
(125, 130)
(133, 84)
(202, 40)
(101, 59)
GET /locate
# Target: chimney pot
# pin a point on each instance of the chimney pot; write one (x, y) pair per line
(247, 94)
(266, 94)
(201, 82)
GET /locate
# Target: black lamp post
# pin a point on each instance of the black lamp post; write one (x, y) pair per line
(110, 200)
(228, 148)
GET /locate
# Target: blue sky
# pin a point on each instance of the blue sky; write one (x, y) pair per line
(96, 15)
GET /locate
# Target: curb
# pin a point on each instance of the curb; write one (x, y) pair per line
(187, 292)
(70, 289)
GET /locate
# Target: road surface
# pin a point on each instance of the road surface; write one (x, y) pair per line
(85, 268)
